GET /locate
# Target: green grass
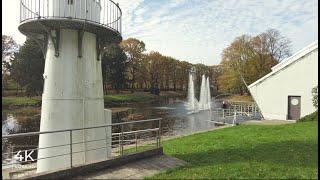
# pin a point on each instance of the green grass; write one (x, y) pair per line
(109, 99)
(130, 98)
(139, 148)
(20, 101)
(247, 151)
(239, 98)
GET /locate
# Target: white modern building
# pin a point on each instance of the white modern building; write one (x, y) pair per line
(285, 93)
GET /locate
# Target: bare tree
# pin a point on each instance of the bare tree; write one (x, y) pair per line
(279, 47)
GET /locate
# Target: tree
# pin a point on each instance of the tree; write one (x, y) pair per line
(214, 72)
(278, 46)
(9, 47)
(114, 67)
(248, 58)
(154, 61)
(269, 48)
(234, 61)
(133, 49)
(28, 67)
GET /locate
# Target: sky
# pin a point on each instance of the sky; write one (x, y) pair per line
(198, 30)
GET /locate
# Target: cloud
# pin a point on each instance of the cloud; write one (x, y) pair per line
(198, 31)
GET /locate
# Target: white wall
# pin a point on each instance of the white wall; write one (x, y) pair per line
(297, 79)
(81, 9)
(73, 98)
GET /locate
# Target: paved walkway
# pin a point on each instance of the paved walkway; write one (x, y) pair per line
(138, 169)
(269, 122)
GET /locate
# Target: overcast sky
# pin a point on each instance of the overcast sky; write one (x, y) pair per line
(198, 30)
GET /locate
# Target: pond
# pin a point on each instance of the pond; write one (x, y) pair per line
(175, 120)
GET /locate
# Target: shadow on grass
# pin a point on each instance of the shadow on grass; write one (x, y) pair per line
(288, 153)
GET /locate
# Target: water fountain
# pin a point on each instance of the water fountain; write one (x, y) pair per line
(208, 94)
(9, 125)
(192, 104)
(203, 95)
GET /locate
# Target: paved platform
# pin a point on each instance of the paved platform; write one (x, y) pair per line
(269, 122)
(137, 170)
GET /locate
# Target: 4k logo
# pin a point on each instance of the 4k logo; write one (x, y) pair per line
(24, 158)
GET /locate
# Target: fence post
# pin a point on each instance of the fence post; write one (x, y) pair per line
(119, 139)
(70, 133)
(121, 143)
(159, 133)
(234, 118)
(107, 142)
(135, 135)
(222, 113)
(39, 11)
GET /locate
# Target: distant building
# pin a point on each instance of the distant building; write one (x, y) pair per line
(285, 93)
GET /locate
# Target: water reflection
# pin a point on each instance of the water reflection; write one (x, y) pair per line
(175, 117)
(176, 120)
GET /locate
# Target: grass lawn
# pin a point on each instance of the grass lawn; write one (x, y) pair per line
(247, 151)
(112, 99)
(21, 101)
(239, 98)
(128, 98)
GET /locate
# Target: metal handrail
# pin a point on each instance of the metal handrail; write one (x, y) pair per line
(81, 142)
(77, 129)
(110, 13)
(122, 142)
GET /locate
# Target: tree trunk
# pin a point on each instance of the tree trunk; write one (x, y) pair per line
(133, 80)
(17, 89)
(104, 85)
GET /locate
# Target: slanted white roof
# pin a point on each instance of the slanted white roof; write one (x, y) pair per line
(288, 61)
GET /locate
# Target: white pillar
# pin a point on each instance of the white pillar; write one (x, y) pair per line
(72, 98)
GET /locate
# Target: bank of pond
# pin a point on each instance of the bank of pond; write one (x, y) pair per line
(109, 100)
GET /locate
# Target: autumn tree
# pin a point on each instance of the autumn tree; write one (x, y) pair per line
(214, 72)
(248, 58)
(133, 49)
(154, 61)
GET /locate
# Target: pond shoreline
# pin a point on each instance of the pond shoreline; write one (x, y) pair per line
(113, 100)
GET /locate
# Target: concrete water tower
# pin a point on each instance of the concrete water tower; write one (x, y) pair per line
(72, 35)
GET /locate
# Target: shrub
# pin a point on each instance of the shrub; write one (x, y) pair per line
(315, 96)
(311, 117)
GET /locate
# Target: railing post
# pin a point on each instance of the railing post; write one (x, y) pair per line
(159, 134)
(70, 133)
(222, 113)
(121, 144)
(12, 155)
(107, 141)
(39, 10)
(135, 136)
(20, 10)
(47, 8)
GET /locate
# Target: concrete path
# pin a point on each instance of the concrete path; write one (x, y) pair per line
(138, 169)
(269, 122)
